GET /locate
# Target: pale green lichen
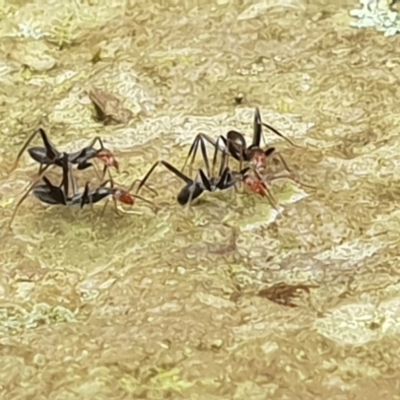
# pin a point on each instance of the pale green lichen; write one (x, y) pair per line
(15, 318)
(372, 15)
(159, 381)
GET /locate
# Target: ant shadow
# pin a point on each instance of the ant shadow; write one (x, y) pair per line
(86, 228)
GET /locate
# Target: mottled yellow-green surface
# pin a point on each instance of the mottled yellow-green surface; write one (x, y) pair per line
(202, 304)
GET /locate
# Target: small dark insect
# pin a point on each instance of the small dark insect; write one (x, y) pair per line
(284, 294)
(51, 194)
(207, 181)
(239, 98)
(49, 156)
(235, 145)
(108, 108)
(96, 56)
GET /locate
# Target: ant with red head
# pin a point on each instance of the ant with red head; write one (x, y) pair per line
(51, 194)
(207, 181)
(118, 194)
(234, 144)
(49, 155)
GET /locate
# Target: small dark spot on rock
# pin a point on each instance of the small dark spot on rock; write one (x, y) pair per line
(239, 98)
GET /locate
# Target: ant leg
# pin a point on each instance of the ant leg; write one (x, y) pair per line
(224, 156)
(67, 176)
(23, 198)
(190, 199)
(257, 134)
(39, 176)
(105, 205)
(257, 129)
(271, 152)
(18, 205)
(105, 170)
(268, 193)
(103, 173)
(131, 187)
(271, 198)
(205, 156)
(239, 188)
(282, 160)
(156, 208)
(224, 160)
(144, 200)
(100, 176)
(43, 168)
(122, 193)
(265, 192)
(74, 184)
(120, 210)
(201, 137)
(93, 142)
(290, 177)
(51, 151)
(134, 196)
(291, 173)
(241, 159)
(170, 167)
(24, 147)
(147, 176)
(272, 129)
(86, 196)
(192, 152)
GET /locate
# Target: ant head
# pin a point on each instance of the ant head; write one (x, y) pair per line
(258, 159)
(255, 185)
(124, 197)
(108, 158)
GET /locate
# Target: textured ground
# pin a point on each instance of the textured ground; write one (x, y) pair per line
(203, 305)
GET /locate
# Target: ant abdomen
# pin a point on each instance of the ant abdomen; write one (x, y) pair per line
(189, 192)
(38, 154)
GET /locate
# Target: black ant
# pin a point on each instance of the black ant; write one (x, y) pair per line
(206, 181)
(116, 193)
(51, 194)
(235, 145)
(49, 156)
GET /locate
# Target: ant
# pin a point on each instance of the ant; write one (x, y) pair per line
(51, 194)
(225, 179)
(235, 145)
(49, 156)
(116, 193)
